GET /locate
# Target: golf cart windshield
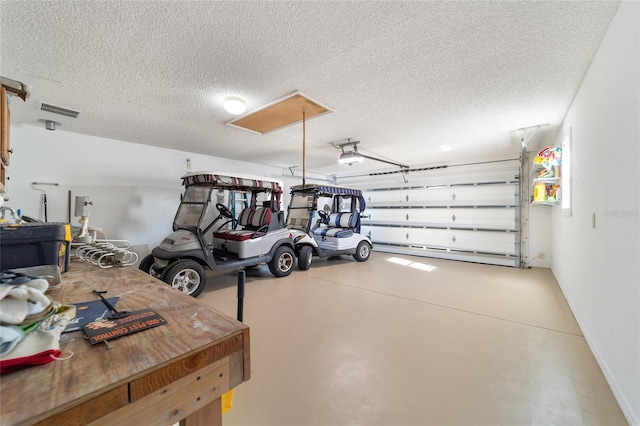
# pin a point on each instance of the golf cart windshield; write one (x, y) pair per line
(195, 202)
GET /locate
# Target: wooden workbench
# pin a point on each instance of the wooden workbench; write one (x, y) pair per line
(174, 372)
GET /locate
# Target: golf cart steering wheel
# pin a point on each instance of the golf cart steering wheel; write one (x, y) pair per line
(224, 211)
(324, 216)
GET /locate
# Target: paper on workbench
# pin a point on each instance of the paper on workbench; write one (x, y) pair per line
(90, 311)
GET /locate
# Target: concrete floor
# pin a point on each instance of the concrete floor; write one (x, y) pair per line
(401, 340)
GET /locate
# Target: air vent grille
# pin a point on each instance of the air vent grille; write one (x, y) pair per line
(59, 110)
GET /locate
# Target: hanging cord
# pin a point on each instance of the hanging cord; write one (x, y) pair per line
(304, 148)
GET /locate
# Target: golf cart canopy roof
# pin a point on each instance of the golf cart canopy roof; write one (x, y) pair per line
(235, 181)
(328, 189)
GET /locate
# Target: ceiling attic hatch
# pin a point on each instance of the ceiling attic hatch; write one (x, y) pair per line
(281, 113)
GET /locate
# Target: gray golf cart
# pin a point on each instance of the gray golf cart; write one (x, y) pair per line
(208, 235)
(325, 221)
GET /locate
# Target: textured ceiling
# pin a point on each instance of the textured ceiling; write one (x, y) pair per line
(420, 83)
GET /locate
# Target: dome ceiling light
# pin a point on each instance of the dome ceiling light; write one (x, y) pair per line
(234, 105)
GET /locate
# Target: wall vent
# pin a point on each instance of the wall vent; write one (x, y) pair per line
(59, 110)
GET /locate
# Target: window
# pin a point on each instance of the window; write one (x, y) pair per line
(566, 176)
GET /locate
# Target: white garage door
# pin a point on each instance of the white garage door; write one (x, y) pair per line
(466, 212)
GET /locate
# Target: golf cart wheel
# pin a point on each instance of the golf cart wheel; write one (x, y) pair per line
(363, 251)
(147, 266)
(305, 257)
(282, 262)
(187, 276)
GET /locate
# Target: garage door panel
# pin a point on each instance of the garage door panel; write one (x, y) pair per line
(467, 240)
(479, 218)
(481, 195)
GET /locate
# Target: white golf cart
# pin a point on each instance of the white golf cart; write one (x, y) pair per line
(325, 221)
(207, 235)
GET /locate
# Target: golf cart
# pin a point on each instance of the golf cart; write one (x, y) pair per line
(325, 221)
(207, 235)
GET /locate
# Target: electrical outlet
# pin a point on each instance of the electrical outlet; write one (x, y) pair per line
(541, 255)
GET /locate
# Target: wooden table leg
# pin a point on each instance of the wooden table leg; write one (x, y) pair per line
(209, 415)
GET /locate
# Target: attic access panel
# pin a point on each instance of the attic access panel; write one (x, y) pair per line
(281, 113)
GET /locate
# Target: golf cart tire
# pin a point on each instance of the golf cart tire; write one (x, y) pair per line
(187, 272)
(363, 251)
(282, 262)
(305, 258)
(146, 264)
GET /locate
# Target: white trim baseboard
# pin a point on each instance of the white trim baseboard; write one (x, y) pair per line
(623, 402)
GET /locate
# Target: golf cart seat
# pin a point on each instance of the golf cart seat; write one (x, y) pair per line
(252, 221)
(340, 226)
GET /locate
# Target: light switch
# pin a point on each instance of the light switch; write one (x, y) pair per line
(593, 220)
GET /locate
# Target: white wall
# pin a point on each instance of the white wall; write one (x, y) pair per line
(538, 231)
(540, 236)
(135, 188)
(598, 268)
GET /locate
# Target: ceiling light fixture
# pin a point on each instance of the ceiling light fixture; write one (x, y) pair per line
(234, 105)
(350, 157)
